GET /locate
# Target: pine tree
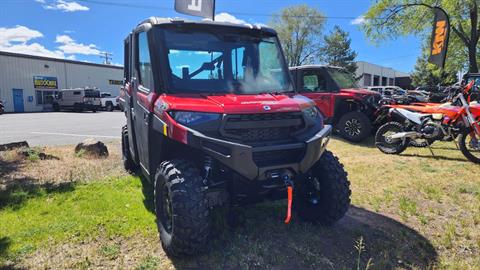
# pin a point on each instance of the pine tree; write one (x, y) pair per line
(337, 51)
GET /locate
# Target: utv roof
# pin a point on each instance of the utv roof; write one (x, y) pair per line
(165, 21)
(314, 66)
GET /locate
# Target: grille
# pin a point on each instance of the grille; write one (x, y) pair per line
(278, 157)
(250, 128)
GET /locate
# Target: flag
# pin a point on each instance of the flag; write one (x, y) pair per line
(199, 8)
(440, 36)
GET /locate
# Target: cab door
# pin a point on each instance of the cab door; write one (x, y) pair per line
(127, 93)
(142, 85)
(314, 85)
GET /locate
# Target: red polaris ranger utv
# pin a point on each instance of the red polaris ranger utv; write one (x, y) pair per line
(344, 105)
(213, 120)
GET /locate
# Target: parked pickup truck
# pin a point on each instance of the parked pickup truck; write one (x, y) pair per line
(343, 104)
(109, 103)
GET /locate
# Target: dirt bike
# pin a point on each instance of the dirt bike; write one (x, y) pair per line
(450, 108)
(447, 122)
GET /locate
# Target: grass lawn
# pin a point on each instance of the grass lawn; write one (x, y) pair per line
(408, 212)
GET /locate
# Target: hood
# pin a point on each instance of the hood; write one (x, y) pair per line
(358, 91)
(235, 104)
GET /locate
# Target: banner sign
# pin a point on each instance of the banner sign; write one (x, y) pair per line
(42, 82)
(440, 36)
(199, 8)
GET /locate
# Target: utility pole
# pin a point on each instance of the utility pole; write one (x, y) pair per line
(107, 57)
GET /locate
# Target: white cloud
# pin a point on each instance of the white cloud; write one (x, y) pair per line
(69, 46)
(16, 40)
(359, 20)
(17, 34)
(229, 18)
(62, 5)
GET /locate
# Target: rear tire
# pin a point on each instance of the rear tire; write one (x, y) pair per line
(354, 126)
(324, 195)
(462, 144)
(128, 162)
(181, 208)
(109, 107)
(390, 147)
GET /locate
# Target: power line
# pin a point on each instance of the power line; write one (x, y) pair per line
(129, 5)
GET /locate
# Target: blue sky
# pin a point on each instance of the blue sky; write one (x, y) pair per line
(79, 29)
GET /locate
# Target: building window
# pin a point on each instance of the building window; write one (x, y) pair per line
(367, 79)
(376, 80)
(391, 82)
(384, 81)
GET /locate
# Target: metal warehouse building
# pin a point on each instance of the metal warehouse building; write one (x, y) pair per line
(28, 83)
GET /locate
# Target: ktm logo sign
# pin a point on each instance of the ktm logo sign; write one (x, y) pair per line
(440, 36)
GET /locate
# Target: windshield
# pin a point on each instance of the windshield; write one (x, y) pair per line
(224, 62)
(343, 79)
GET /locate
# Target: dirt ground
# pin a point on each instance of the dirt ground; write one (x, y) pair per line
(408, 212)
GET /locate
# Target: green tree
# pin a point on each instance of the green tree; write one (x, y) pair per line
(299, 29)
(336, 50)
(387, 19)
(429, 74)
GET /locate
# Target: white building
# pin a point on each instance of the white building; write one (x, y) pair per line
(28, 83)
(375, 75)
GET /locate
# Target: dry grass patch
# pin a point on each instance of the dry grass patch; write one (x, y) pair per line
(409, 212)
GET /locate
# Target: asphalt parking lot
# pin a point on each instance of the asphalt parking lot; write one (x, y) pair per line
(60, 128)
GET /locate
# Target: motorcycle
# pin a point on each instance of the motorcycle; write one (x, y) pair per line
(448, 122)
(2, 107)
(449, 107)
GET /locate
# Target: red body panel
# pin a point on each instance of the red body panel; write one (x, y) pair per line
(222, 104)
(326, 101)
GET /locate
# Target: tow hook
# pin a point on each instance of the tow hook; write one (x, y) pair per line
(289, 183)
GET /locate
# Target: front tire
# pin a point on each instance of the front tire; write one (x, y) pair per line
(181, 208)
(324, 195)
(391, 146)
(128, 162)
(354, 126)
(469, 145)
(109, 107)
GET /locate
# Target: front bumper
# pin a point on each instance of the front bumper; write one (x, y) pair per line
(240, 157)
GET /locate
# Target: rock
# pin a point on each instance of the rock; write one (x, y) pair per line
(12, 146)
(91, 147)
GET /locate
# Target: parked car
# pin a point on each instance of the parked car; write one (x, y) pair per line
(225, 130)
(78, 100)
(108, 102)
(395, 94)
(342, 103)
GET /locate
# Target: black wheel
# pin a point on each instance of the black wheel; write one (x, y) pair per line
(469, 144)
(109, 107)
(128, 162)
(78, 108)
(388, 145)
(354, 126)
(324, 194)
(181, 208)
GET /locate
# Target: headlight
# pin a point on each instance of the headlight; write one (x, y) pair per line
(312, 112)
(193, 118)
(313, 116)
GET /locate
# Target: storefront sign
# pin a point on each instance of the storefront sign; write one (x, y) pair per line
(42, 82)
(115, 82)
